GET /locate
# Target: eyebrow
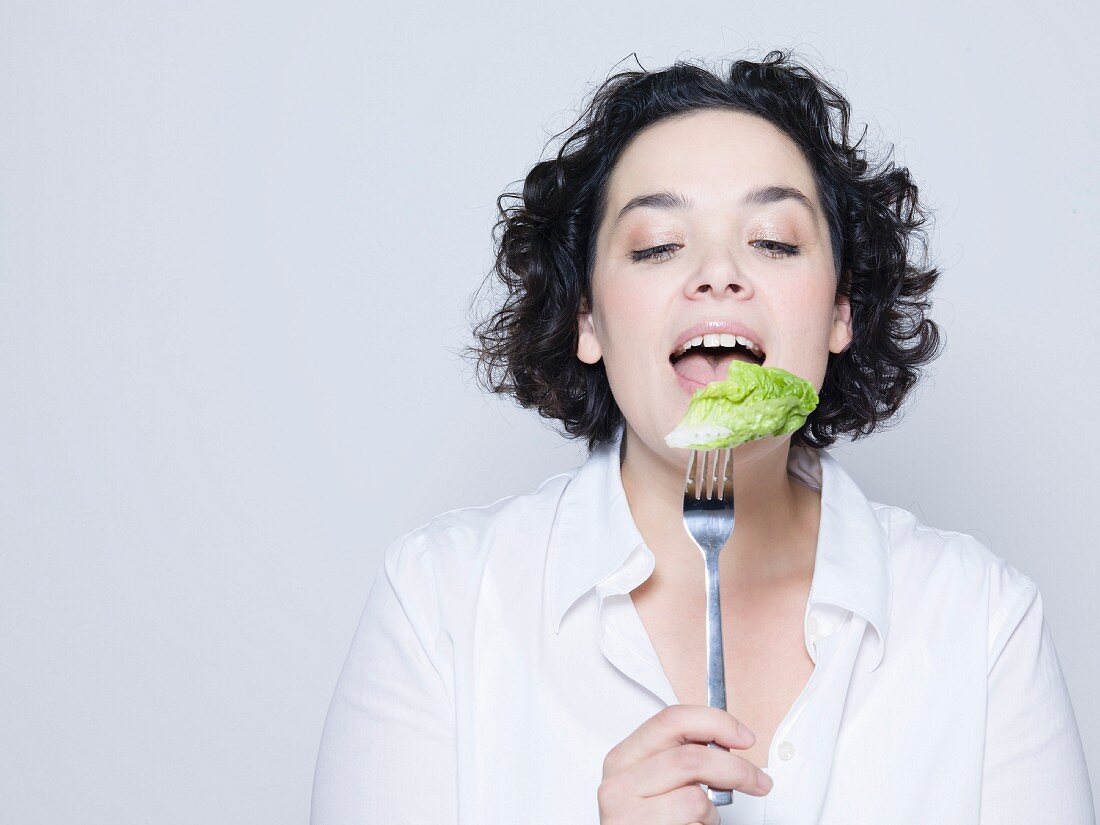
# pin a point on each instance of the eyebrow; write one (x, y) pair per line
(761, 196)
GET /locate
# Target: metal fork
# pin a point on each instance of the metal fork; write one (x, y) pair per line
(708, 517)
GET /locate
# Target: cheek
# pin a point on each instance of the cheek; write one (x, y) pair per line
(813, 305)
(631, 326)
(631, 318)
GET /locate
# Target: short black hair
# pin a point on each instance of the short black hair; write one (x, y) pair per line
(545, 250)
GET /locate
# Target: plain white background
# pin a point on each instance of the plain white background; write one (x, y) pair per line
(237, 246)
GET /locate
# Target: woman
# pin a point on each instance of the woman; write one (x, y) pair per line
(542, 659)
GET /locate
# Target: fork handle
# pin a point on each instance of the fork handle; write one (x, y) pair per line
(716, 670)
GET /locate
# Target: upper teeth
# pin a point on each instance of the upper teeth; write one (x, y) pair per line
(720, 340)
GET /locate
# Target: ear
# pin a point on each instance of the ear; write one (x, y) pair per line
(840, 335)
(588, 345)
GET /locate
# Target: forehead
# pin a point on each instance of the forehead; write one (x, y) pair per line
(717, 154)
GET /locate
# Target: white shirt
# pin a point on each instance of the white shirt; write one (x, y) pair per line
(500, 657)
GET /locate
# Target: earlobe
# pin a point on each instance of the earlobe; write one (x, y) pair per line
(841, 334)
(588, 346)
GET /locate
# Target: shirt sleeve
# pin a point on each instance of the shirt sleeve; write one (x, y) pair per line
(1034, 768)
(387, 751)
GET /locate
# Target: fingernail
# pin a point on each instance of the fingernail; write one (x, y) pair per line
(763, 781)
(745, 732)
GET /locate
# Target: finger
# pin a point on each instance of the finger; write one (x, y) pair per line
(676, 725)
(682, 806)
(691, 764)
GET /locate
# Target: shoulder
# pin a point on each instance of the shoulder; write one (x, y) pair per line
(944, 568)
(922, 548)
(457, 542)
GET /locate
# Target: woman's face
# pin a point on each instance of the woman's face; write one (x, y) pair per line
(723, 261)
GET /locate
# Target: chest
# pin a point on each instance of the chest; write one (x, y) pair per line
(766, 662)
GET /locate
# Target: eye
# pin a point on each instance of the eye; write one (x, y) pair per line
(779, 250)
(773, 249)
(659, 253)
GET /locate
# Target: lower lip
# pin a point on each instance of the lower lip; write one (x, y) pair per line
(687, 385)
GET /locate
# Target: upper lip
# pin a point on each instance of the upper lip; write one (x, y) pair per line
(714, 328)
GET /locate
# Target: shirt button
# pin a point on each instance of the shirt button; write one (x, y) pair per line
(786, 751)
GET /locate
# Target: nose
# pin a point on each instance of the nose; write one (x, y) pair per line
(718, 275)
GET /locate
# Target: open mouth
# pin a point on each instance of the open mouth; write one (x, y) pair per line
(707, 358)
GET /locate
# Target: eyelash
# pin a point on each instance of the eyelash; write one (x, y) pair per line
(657, 252)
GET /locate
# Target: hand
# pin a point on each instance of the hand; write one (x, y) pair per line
(652, 776)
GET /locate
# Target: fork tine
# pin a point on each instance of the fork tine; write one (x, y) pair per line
(707, 473)
(700, 473)
(710, 474)
(717, 467)
(725, 472)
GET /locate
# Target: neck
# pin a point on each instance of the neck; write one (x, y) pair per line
(774, 541)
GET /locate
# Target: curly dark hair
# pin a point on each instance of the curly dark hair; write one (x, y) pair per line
(545, 250)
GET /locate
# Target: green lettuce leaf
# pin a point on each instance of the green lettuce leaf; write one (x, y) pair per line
(753, 402)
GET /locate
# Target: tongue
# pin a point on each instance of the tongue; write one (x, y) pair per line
(703, 369)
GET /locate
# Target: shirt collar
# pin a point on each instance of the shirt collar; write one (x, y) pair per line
(594, 534)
